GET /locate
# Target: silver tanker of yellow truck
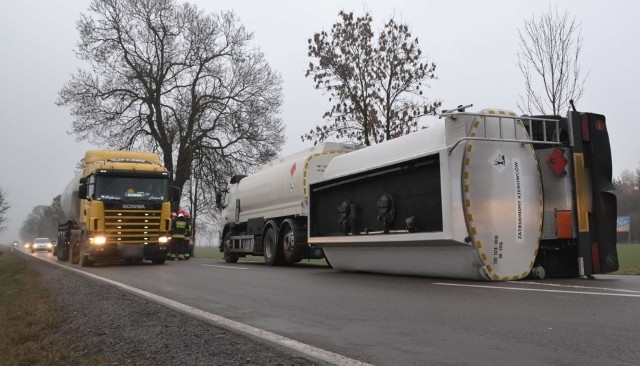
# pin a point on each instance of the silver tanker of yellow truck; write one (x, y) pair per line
(487, 196)
(117, 207)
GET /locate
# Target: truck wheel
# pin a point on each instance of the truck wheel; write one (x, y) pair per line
(63, 253)
(85, 261)
(229, 256)
(84, 257)
(74, 255)
(291, 255)
(158, 260)
(273, 255)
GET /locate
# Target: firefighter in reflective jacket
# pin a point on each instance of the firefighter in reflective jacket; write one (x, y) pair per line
(179, 229)
(189, 238)
(173, 252)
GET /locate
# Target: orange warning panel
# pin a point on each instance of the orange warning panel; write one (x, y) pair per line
(564, 224)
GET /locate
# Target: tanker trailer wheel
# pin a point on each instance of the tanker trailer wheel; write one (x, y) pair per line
(229, 256)
(291, 255)
(273, 255)
(74, 253)
(84, 257)
(63, 252)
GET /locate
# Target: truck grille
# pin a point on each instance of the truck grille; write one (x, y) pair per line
(124, 226)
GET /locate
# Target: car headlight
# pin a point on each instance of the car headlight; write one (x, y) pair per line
(26, 246)
(49, 245)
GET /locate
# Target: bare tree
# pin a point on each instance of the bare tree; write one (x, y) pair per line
(548, 58)
(627, 190)
(375, 82)
(169, 78)
(35, 225)
(43, 221)
(4, 208)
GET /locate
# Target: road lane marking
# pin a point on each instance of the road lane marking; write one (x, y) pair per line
(306, 349)
(575, 286)
(215, 265)
(536, 290)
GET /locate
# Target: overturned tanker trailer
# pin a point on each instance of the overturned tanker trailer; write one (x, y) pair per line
(487, 196)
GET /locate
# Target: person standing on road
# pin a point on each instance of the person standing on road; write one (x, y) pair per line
(173, 249)
(189, 238)
(179, 230)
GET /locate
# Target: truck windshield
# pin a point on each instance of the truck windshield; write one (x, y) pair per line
(130, 189)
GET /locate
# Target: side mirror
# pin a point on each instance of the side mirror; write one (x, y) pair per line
(82, 191)
(220, 199)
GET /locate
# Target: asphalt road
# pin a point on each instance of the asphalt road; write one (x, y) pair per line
(395, 320)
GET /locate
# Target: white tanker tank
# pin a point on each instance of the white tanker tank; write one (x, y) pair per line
(266, 212)
(488, 196)
(460, 199)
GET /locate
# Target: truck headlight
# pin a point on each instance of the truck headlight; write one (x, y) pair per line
(98, 240)
(163, 239)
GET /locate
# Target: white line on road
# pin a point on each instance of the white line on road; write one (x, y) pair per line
(215, 265)
(537, 290)
(575, 286)
(311, 351)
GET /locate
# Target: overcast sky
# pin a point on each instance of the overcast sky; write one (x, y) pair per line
(473, 43)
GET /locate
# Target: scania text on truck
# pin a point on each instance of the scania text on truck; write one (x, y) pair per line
(488, 196)
(117, 207)
(265, 213)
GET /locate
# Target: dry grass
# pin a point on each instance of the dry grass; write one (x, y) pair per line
(31, 320)
(28, 315)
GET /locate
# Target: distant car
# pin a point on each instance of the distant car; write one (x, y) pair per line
(41, 244)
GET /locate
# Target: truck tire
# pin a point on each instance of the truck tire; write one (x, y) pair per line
(85, 261)
(63, 253)
(74, 253)
(84, 257)
(229, 256)
(291, 253)
(273, 255)
(158, 260)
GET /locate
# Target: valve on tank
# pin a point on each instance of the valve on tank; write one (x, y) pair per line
(386, 211)
(344, 219)
(410, 224)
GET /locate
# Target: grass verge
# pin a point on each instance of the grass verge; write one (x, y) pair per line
(629, 257)
(28, 314)
(31, 320)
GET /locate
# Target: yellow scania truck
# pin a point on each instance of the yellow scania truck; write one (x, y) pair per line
(117, 207)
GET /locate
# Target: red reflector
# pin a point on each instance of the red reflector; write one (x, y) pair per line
(564, 224)
(595, 257)
(557, 162)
